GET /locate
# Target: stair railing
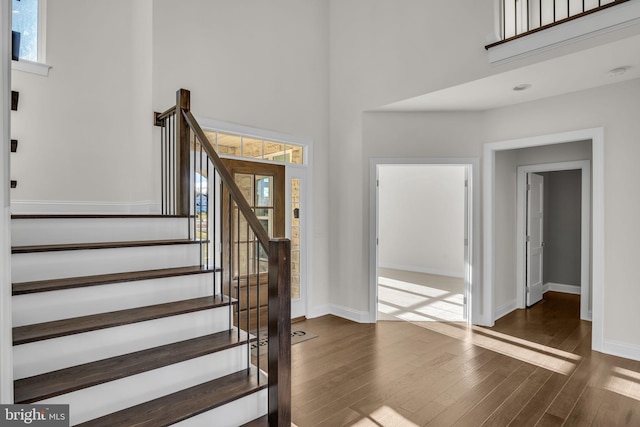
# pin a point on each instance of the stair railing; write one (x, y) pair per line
(196, 184)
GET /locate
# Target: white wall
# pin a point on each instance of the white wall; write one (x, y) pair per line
(421, 218)
(6, 341)
(418, 135)
(382, 52)
(615, 108)
(259, 64)
(85, 130)
(463, 134)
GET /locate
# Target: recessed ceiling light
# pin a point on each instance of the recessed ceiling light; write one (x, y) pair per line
(618, 71)
(521, 87)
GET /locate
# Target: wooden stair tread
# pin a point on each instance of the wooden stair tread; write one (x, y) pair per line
(103, 279)
(93, 216)
(50, 384)
(187, 403)
(263, 421)
(41, 331)
(101, 245)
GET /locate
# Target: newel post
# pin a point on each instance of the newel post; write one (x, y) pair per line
(183, 103)
(280, 332)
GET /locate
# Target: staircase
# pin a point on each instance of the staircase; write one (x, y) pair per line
(112, 316)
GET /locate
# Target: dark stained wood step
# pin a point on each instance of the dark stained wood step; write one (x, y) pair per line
(186, 403)
(76, 325)
(104, 279)
(93, 216)
(102, 245)
(50, 384)
(263, 421)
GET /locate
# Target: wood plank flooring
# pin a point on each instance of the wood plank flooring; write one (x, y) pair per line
(534, 368)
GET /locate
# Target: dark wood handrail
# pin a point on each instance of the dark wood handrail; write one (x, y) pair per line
(178, 124)
(159, 117)
(227, 179)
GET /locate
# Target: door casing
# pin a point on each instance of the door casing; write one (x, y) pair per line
(472, 292)
(596, 135)
(585, 230)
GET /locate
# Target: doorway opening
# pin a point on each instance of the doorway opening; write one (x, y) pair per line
(564, 263)
(490, 264)
(423, 239)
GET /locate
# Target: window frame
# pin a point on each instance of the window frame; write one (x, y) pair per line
(40, 66)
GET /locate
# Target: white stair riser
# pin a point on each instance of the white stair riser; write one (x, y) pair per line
(64, 304)
(50, 231)
(57, 353)
(94, 402)
(233, 414)
(59, 264)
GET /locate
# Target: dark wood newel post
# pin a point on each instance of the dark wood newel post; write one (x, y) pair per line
(279, 333)
(183, 103)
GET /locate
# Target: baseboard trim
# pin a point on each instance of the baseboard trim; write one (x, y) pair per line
(319, 311)
(505, 309)
(425, 270)
(559, 287)
(339, 311)
(84, 207)
(620, 349)
(350, 314)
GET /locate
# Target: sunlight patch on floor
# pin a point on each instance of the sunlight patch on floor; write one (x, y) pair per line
(419, 297)
(624, 382)
(384, 416)
(540, 355)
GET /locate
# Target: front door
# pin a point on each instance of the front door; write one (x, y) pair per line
(263, 185)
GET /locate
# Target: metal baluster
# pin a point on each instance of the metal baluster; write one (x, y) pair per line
(172, 166)
(515, 17)
(259, 301)
(162, 133)
(230, 263)
(192, 198)
(249, 299)
(504, 27)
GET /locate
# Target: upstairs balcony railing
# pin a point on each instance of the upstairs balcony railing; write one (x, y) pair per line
(522, 17)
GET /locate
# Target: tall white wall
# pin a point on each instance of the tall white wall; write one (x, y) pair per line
(613, 107)
(6, 341)
(259, 64)
(421, 218)
(463, 135)
(85, 130)
(382, 52)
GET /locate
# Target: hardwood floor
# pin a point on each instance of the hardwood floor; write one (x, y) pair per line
(407, 295)
(534, 368)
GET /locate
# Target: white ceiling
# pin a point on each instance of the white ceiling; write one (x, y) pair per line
(570, 73)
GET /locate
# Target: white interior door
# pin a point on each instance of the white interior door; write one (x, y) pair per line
(534, 238)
